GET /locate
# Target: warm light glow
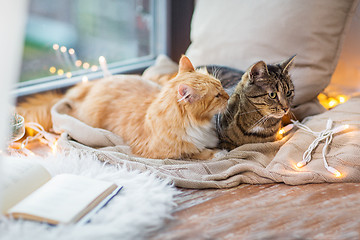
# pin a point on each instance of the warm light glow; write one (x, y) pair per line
(63, 49)
(60, 72)
(85, 79)
(86, 65)
(27, 151)
(43, 141)
(52, 69)
(322, 97)
(332, 102)
(15, 145)
(284, 130)
(300, 164)
(78, 63)
(68, 74)
(337, 173)
(342, 98)
(30, 132)
(56, 46)
(94, 68)
(71, 51)
(54, 148)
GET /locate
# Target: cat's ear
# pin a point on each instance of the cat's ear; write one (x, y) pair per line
(185, 65)
(187, 94)
(287, 64)
(203, 70)
(258, 70)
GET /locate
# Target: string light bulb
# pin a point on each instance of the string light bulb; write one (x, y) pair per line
(60, 71)
(300, 164)
(78, 63)
(54, 148)
(284, 130)
(86, 65)
(337, 174)
(326, 136)
(52, 69)
(68, 74)
(94, 68)
(103, 66)
(84, 79)
(334, 171)
(63, 49)
(71, 51)
(342, 98)
(56, 46)
(332, 102)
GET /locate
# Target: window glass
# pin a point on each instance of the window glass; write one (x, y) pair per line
(65, 38)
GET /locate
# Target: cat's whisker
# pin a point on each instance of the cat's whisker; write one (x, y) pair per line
(243, 113)
(260, 121)
(292, 115)
(228, 116)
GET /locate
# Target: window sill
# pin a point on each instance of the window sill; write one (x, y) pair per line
(51, 83)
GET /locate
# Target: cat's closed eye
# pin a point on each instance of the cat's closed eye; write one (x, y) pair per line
(289, 93)
(218, 95)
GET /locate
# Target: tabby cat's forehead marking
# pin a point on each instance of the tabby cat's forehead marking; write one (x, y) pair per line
(279, 81)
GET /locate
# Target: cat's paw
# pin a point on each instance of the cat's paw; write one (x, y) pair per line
(209, 154)
(205, 154)
(220, 154)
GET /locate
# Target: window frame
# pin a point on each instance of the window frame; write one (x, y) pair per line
(160, 45)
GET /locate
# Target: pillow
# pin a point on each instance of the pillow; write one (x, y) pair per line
(162, 70)
(346, 77)
(239, 33)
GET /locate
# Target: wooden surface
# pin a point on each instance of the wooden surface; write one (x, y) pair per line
(273, 211)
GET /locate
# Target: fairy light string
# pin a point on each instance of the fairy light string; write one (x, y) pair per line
(41, 135)
(325, 135)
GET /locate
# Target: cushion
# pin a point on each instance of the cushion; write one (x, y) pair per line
(239, 33)
(346, 77)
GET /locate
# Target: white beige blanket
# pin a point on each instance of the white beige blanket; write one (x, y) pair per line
(252, 163)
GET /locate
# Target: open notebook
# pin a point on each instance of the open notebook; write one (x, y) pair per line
(30, 193)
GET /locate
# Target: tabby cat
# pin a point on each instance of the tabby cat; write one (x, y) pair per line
(259, 98)
(169, 122)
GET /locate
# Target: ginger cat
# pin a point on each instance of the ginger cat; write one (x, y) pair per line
(169, 122)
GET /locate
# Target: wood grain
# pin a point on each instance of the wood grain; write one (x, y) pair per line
(273, 211)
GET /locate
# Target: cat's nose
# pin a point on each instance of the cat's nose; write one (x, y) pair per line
(285, 109)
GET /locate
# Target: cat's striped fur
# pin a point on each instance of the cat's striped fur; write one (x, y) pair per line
(259, 98)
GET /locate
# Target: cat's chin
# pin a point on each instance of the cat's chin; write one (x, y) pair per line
(277, 115)
(219, 111)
